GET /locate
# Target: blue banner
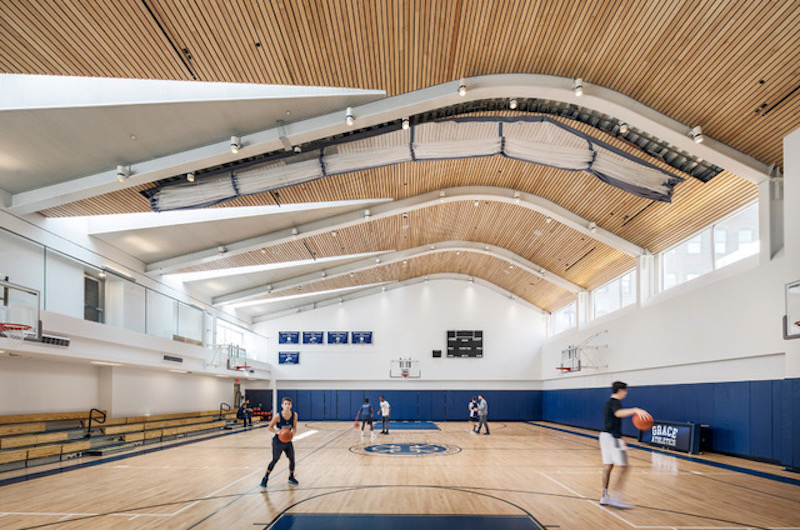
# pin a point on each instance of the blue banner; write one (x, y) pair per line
(288, 337)
(313, 337)
(361, 337)
(337, 337)
(288, 357)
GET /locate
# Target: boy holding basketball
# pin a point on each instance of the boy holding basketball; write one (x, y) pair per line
(284, 425)
(365, 413)
(612, 446)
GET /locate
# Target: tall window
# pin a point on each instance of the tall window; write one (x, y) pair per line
(564, 318)
(614, 295)
(713, 248)
(93, 298)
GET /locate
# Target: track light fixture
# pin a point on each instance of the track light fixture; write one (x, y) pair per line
(334, 233)
(441, 196)
(623, 128)
(697, 134)
(221, 250)
(323, 274)
(405, 262)
(263, 250)
(190, 176)
(349, 117)
(593, 227)
(477, 203)
(471, 280)
(122, 174)
(548, 219)
(366, 215)
(426, 279)
(236, 143)
(462, 88)
(458, 252)
(377, 261)
(486, 248)
(512, 104)
(406, 124)
(341, 301)
(295, 233)
(577, 87)
(517, 197)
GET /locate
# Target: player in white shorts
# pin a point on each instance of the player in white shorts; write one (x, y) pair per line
(612, 446)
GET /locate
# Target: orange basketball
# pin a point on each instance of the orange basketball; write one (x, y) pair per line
(285, 435)
(643, 424)
(356, 424)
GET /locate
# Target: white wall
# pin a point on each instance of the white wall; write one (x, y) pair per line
(29, 386)
(725, 326)
(411, 322)
(138, 391)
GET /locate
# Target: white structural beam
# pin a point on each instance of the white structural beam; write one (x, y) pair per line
(554, 88)
(391, 208)
(394, 257)
(373, 290)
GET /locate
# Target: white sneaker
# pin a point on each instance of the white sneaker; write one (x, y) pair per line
(372, 435)
(617, 502)
(605, 499)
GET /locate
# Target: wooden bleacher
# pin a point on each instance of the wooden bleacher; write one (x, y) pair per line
(27, 439)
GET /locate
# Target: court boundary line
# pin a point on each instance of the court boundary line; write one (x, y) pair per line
(105, 460)
(720, 465)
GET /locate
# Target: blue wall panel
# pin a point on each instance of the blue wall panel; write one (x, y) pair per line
(438, 405)
(761, 429)
(330, 404)
(343, 406)
(317, 405)
(425, 405)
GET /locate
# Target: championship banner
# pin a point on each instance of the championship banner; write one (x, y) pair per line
(313, 337)
(289, 357)
(337, 337)
(361, 337)
(288, 337)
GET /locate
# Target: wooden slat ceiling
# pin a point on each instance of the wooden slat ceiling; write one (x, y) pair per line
(553, 246)
(523, 284)
(728, 66)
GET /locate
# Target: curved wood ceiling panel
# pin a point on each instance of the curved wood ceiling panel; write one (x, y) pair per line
(489, 268)
(700, 63)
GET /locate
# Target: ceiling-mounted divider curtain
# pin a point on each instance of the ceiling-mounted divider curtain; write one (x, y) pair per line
(537, 140)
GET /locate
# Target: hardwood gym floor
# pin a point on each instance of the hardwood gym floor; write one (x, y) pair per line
(522, 476)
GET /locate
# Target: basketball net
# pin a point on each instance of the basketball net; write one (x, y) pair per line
(15, 333)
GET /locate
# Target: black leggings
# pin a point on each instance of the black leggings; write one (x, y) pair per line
(279, 447)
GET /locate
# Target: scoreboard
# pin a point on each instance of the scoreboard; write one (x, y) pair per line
(465, 343)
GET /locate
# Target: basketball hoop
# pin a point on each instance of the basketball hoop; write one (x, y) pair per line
(404, 373)
(243, 368)
(564, 369)
(15, 333)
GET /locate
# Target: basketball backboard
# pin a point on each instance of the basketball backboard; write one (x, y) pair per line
(20, 305)
(791, 328)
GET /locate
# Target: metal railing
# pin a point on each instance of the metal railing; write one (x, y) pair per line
(97, 419)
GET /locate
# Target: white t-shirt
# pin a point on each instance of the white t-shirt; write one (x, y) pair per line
(385, 408)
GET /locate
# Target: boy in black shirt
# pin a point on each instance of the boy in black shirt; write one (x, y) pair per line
(612, 445)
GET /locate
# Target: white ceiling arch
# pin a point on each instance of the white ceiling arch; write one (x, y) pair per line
(391, 109)
(373, 290)
(391, 208)
(394, 257)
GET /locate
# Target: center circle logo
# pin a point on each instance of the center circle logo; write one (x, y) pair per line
(405, 449)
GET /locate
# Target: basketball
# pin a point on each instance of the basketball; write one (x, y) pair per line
(285, 435)
(643, 424)
(356, 424)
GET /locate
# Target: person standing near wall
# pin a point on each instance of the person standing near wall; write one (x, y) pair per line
(245, 413)
(472, 406)
(365, 413)
(386, 410)
(483, 412)
(285, 419)
(612, 446)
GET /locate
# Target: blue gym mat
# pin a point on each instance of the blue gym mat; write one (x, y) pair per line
(335, 521)
(410, 425)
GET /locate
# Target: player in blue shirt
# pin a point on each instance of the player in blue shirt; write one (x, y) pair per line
(365, 413)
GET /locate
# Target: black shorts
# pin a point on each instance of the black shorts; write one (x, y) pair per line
(367, 422)
(473, 418)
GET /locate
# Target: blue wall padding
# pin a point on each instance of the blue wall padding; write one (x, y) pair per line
(756, 419)
(412, 405)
